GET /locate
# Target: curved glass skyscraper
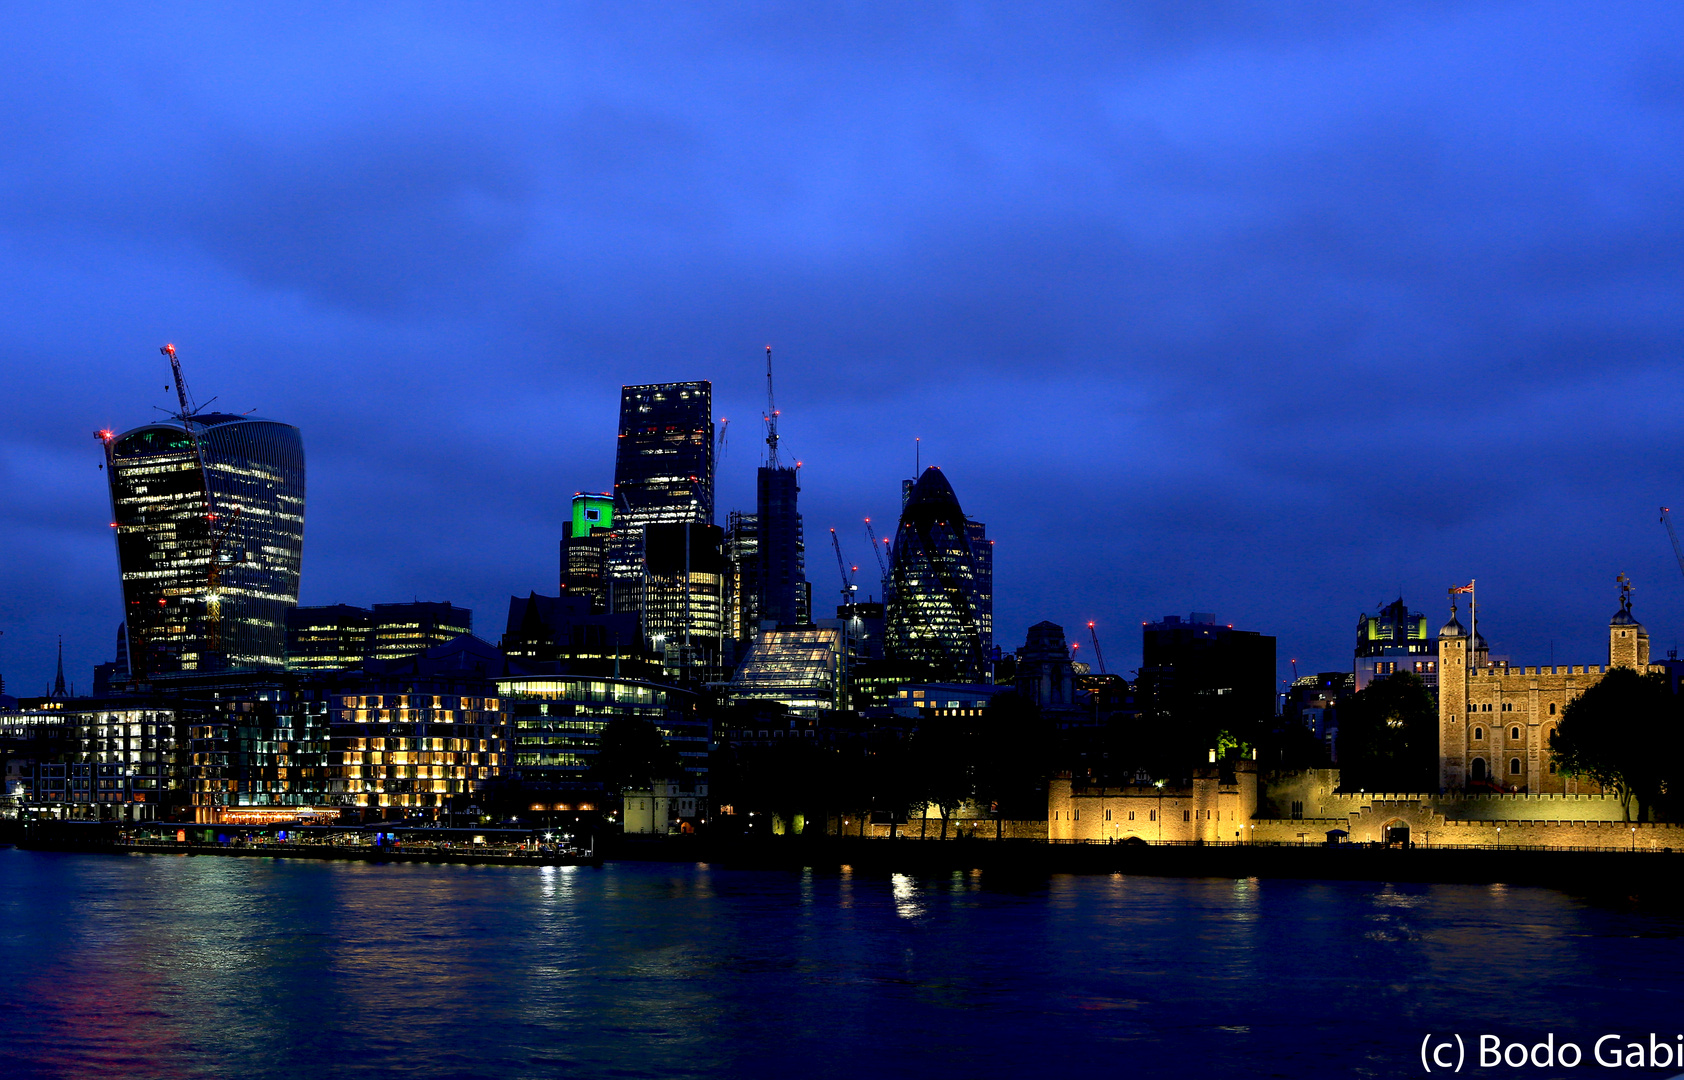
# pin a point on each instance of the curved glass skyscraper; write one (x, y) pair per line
(940, 587)
(182, 616)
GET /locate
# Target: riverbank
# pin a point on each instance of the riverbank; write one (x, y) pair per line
(1606, 870)
(106, 841)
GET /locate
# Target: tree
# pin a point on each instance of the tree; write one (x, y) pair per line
(1388, 737)
(633, 754)
(942, 758)
(1623, 733)
(1010, 753)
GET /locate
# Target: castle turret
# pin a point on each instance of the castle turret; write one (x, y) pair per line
(1628, 642)
(1453, 646)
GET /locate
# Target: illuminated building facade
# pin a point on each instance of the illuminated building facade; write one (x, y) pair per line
(183, 614)
(329, 638)
(558, 722)
(584, 553)
(742, 560)
(1395, 640)
(92, 763)
(663, 474)
(798, 667)
(414, 748)
(684, 603)
(402, 630)
(936, 586)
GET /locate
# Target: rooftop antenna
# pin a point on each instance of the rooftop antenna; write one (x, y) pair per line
(917, 456)
(771, 416)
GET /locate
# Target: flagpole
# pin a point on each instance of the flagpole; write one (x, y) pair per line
(1473, 617)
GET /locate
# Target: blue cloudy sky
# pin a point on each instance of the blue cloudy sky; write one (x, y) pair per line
(1260, 309)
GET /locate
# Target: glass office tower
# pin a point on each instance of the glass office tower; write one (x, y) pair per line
(936, 586)
(184, 615)
(663, 474)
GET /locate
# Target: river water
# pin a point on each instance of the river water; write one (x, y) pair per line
(138, 966)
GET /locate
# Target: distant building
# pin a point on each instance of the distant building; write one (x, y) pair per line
(584, 551)
(782, 547)
(339, 636)
(918, 701)
(1045, 674)
(743, 588)
(684, 599)
(112, 674)
(207, 587)
(329, 638)
(934, 619)
(556, 634)
(663, 475)
(402, 630)
(1314, 701)
(1394, 640)
(1200, 667)
(558, 723)
(797, 667)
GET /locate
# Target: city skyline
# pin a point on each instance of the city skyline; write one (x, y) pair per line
(1214, 364)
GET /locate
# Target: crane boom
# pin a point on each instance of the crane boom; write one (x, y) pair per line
(882, 563)
(1666, 519)
(848, 586)
(771, 416)
(1097, 655)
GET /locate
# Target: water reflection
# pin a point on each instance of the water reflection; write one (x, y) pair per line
(225, 967)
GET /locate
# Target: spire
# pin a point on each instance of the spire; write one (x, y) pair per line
(58, 683)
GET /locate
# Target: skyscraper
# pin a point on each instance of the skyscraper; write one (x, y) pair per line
(781, 546)
(663, 474)
(684, 598)
(584, 552)
(208, 510)
(936, 587)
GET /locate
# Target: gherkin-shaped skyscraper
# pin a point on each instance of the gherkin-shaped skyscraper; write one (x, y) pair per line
(940, 592)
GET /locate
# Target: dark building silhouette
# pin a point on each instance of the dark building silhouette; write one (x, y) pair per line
(781, 548)
(584, 552)
(663, 475)
(1045, 674)
(207, 587)
(1205, 674)
(116, 672)
(936, 585)
(556, 634)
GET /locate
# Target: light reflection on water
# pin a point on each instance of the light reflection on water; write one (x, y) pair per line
(254, 968)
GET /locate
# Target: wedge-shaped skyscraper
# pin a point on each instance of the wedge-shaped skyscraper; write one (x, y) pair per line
(209, 516)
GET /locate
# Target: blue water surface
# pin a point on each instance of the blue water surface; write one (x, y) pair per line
(171, 966)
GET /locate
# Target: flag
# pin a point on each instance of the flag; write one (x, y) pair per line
(1468, 588)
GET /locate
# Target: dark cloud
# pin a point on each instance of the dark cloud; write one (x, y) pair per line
(1260, 309)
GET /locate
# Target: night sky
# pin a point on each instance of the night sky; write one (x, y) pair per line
(1266, 310)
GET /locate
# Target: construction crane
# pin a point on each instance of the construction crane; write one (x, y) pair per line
(848, 586)
(719, 450)
(771, 416)
(1097, 655)
(219, 527)
(1677, 550)
(882, 563)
